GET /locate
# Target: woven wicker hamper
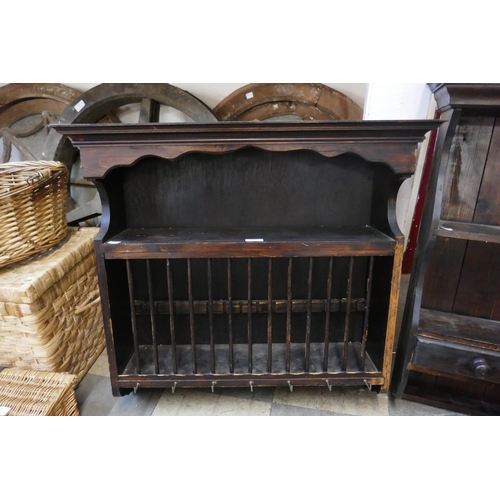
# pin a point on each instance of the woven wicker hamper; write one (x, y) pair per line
(36, 394)
(33, 198)
(50, 310)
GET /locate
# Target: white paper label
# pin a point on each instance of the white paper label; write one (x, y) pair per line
(249, 95)
(4, 410)
(254, 240)
(79, 105)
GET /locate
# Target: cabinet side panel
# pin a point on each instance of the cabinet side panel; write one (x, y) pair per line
(478, 290)
(488, 203)
(465, 168)
(443, 274)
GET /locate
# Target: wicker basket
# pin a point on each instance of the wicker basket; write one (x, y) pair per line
(30, 393)
(50, 310)
(33, 198)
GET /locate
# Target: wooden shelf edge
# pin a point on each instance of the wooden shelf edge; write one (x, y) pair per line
(468, 231)
(463, 330)
(249, 242)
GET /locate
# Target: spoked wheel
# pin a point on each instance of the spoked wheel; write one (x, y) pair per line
(25, 112)
(287, 102)
(139, 102)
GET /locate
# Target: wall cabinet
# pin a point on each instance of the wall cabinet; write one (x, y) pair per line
(249, 254)
(450, 342)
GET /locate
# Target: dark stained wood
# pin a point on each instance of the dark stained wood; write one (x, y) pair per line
(487, 209)
(259, 363)
(262, 306)
(172, 319)
(348, 315)
(249, 313)
(450, 328)
(465, 170)
(369, 139)
(468, 231)
(211, 314)
(243, 242)
(478, 292)
(477, 98)
(191, 316)
(455, 359)
(230, 316)
(260, 243)
(133, 316)
(328, 311)
(309, 313)
(152, 316)
(466, 330)
(443, 274)
(289, 315)
(367, 311)
(270, 316)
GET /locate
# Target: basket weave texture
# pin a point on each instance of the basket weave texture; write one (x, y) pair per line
(33, 197)
(50, 309)
(31, 393)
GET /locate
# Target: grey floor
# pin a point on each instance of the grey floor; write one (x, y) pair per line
(95, 399)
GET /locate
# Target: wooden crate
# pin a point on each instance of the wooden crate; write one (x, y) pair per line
(50, 310)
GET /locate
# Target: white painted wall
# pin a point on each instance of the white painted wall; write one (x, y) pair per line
(402, 101)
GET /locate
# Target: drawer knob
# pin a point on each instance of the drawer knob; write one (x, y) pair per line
(480, 367)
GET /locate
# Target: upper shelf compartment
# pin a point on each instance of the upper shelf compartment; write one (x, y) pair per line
(390, 142)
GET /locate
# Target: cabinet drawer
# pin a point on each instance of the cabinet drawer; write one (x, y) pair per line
(448, 357)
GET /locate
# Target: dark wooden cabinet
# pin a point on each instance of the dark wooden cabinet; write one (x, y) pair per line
(249, 254)
(449, 353)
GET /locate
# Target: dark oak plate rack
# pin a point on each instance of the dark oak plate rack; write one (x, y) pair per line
(249, 254)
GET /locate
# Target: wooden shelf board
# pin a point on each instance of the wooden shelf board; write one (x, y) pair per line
(248, 242)
(184, 357)
(468, 231)
(465, 330)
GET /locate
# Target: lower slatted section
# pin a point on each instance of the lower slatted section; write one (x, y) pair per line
(250, 316)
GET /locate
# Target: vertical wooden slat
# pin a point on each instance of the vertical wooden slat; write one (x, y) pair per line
(211, 315)
(393, 313)
(309, 312)
(132, 316)
(249, 274)
(289, 315)
(367, 313)
(270, 316)
(191, 316)
(153, 316)
(327, 320)
(347, 316)
(230, 316)
(170, 286)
